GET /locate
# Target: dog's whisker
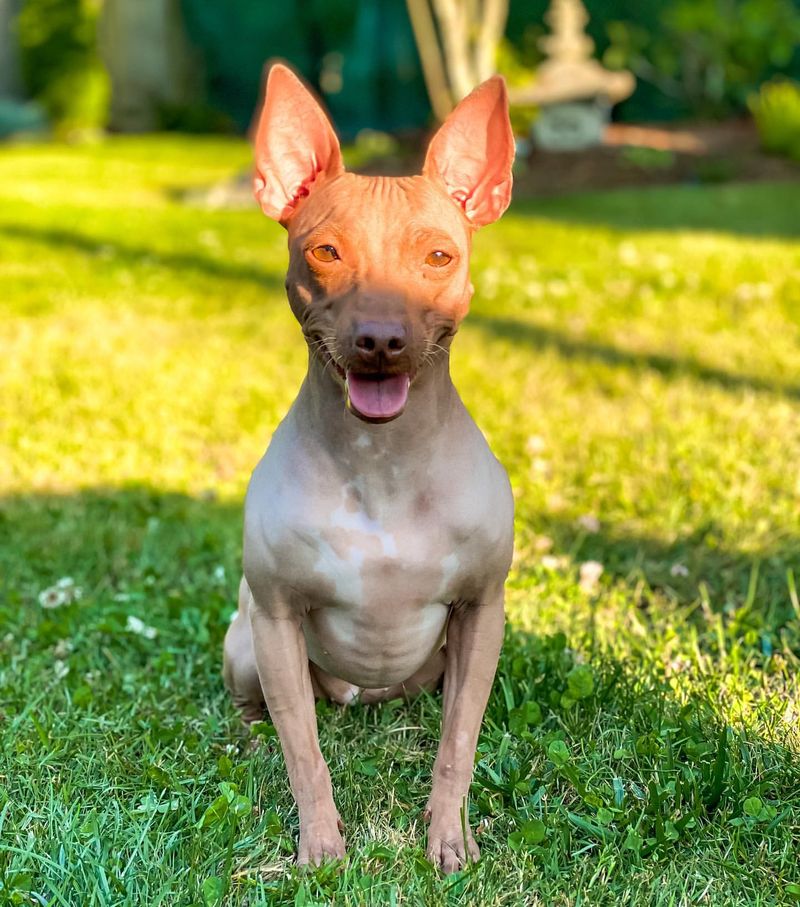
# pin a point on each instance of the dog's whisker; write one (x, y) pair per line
(431, 345)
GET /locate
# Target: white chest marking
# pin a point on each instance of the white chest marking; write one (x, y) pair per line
(358, 521)
(344, 574)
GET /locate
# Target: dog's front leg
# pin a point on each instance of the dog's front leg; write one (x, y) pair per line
(474, 639)
(282, 663)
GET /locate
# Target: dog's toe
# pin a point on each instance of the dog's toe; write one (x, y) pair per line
(319, 844)
(450, 852)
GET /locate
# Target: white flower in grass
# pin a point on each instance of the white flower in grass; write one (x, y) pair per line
(219, 573)
(749, 292)
(64, 592)
(67, 585)
(534, 290)
(555, 562)
(140, 628)
(590, 574)
(60, 669)
(678, 665)
(628, 254)
(540, 466)
(589, 523)
(53, 598)
(62, 648)
(558, 288)
(678, 570)
(535, 444)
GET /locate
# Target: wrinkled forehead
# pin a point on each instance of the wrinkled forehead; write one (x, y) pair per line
(367, 209)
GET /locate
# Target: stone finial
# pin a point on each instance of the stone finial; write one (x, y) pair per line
(569, 73)
(568, 42)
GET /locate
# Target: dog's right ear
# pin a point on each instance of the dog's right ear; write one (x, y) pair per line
(295, 145)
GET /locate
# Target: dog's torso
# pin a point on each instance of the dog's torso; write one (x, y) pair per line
(372, 545)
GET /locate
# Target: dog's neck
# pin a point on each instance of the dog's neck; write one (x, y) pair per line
(432, 401)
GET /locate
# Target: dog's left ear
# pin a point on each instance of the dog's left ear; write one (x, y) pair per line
(473, 151)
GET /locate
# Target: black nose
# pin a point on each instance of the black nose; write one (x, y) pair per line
(374, 339)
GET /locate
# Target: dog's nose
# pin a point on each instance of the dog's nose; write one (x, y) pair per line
(378, 338)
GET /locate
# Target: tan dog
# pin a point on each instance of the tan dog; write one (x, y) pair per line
(378, 524)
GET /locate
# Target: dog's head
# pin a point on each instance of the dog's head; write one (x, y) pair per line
(379, 266)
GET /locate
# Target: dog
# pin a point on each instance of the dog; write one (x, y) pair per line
(378, 527)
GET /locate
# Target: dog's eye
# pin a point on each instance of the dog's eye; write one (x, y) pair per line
(438, 259)
(325, 253)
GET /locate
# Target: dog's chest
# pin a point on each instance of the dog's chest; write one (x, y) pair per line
(374, 585)
(370, 558)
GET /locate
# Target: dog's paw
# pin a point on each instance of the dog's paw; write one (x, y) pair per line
(320, 841)
(451, 847)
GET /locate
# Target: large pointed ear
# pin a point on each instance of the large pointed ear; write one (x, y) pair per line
(295, 144)
(473, 151)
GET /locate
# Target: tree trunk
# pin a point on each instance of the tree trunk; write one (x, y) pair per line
(457, 43)
(149, 60)
(430, 56)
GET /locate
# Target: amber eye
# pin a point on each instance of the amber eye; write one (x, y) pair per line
(325, 253)
(438, 259)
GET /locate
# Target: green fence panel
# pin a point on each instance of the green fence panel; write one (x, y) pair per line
(359, 54)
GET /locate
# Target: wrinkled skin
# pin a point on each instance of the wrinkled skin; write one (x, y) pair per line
(378, 525)
(380, 275)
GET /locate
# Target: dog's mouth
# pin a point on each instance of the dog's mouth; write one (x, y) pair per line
(376, 397)
(371, 396)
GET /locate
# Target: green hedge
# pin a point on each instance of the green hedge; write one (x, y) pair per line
(59, 61)
(692, 58)
(776, 109)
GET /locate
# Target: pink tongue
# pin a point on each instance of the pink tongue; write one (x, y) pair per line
(380, 398)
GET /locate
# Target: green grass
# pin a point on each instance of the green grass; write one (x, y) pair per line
(634, 359)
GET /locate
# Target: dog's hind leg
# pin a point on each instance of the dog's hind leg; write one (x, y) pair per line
(239, 663)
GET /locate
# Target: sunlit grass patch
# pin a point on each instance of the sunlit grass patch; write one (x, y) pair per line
(633, 359)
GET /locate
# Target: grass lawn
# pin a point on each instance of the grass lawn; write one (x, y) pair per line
(634, 359)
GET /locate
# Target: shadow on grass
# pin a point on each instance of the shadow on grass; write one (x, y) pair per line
(674, 776)
(137, 255)
(519, 332)
(103, 536)
(765, 210)
(107, 537)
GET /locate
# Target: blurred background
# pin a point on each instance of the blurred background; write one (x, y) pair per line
(387, 69)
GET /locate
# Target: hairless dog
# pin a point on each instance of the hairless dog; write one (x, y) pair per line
(378, 525)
